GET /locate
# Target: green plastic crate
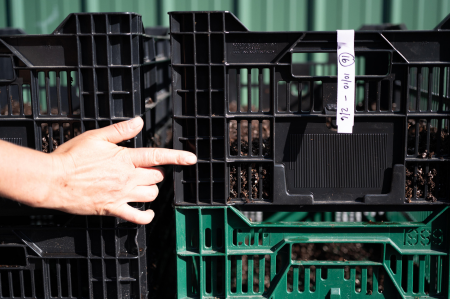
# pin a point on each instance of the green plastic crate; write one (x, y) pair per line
(221, 254)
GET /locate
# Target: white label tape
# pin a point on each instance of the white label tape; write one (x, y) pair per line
(346, 81)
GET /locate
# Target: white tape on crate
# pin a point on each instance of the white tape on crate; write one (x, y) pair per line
(346, 81)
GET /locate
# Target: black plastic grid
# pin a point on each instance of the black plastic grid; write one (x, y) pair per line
(92, 71)
(216, 60)
(103, 69)
(72, 257)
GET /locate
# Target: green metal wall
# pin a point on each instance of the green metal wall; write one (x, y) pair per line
(42, 16)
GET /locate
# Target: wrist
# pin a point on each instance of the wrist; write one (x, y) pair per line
(46, 195)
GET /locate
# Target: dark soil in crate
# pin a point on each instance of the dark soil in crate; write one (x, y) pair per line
(69, 132)
(266, 143)
(318, 252)
(246, 192)
(250, 192)
(255, 147)
(15, 109)
(435, 181)
(336, 252)
(244, 130)
(444, 144)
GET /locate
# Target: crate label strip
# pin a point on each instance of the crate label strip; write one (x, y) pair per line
(346, 81)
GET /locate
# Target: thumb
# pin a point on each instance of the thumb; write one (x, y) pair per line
(119, 132)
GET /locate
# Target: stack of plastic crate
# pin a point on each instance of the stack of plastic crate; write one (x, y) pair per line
(270, 153)
(92, 71)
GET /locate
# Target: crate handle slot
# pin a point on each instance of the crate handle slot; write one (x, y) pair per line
(12, 256)
(7, 73)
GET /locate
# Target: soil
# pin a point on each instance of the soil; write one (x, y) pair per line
(68, 134)
(255, 147)
(9, 266)
(314, 252)
(244, 131)
(430, 179)
(16, 109)
(246, 192)
(423, 153)
(266, 143)
(336, 252)
(46, 141)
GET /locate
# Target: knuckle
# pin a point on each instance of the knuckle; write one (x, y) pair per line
(157, 157)
(178, 158)
(147, 158)
(119, 127)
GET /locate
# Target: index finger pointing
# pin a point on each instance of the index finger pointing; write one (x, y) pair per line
(149, 157)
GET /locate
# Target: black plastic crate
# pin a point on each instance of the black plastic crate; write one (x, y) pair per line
(92, 71)
(61, 256)
(295, 156)
(11, 31)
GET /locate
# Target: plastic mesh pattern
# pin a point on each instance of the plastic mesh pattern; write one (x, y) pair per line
(263, 126)
(94, 70)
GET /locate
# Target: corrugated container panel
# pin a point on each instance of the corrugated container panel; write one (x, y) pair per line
(418, 14)
(298, 15)
(345, 14)
(274, 15)
(180, 5)
(342, 14)
(41, 17)
(147, 8)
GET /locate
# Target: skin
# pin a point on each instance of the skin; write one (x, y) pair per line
(90, 174)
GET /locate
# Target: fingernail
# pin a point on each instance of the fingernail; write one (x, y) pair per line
(136, 122)
(191, 159)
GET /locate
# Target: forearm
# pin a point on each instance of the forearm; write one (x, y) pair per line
(25, 174)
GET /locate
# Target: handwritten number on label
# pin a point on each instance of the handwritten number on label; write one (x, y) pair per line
(344, 114)
(345, 81)
(346, 59)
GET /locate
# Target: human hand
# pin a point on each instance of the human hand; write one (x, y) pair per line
(97, 177)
